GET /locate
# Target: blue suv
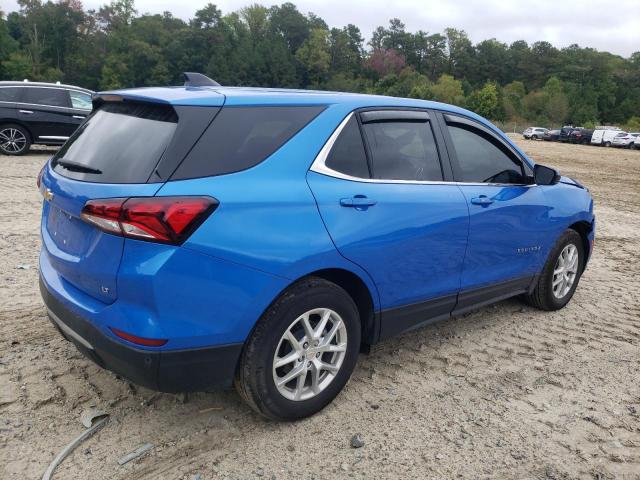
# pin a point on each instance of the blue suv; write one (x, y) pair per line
(197, 236)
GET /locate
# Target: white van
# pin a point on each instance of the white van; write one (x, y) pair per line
(604, 135)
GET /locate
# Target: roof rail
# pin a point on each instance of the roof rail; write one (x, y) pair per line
(193, 79)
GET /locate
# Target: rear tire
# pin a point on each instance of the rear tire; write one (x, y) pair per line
(607, 144)
(318, 370)
(14, 139)
(534, 137)
(560, 275)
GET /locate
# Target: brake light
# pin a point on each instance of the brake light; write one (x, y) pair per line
(155, 219)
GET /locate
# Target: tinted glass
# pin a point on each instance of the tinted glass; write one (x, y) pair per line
(242, 137)
(9, 94)
(403, 151)
(80, 100)
(482, 160)
(56, 97)
(347, 155)
(123, 141)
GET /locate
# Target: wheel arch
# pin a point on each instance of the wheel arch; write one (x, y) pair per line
(583, 228)
(361, 295)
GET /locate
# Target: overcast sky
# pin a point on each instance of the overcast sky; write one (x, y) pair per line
(613, 27)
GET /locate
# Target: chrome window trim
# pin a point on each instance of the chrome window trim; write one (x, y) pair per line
(319, 166)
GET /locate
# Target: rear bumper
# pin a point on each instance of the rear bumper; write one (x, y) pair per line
(194, 369)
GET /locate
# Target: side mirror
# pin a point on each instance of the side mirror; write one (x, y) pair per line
(545, 175)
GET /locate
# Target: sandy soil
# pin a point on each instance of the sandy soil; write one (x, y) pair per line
(505, 392)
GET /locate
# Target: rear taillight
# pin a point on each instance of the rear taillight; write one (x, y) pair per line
(156, 219)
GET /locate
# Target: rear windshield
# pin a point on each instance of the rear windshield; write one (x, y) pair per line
(242, 137)
(121, 142)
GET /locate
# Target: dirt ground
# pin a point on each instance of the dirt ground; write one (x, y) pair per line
(504, 392)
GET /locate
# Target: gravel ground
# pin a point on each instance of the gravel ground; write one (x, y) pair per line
(504, 392)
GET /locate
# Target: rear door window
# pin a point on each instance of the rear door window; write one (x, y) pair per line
(119, 143)
(242, 137)
(54, 97)
(403, 150)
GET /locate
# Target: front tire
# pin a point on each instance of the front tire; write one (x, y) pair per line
(560, 275)
(301, 352)
(14, 140)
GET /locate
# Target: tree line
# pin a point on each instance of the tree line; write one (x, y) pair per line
(279, 46)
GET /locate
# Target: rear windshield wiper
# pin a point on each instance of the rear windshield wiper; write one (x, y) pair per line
(77, 167)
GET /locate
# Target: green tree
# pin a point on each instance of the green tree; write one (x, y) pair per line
(315, 56)
(485, 102)
(448, 90)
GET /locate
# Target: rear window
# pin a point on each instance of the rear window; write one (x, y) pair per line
(242, 137)
(9, 94)
(55, 97)
(119, 143)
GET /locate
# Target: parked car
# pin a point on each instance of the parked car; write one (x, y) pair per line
(636, 143)
(604, 135)
(551, 135)
(196, 236)
(534, 133)
(581, 135)
(39, 113)
(566, 131)
(624, 140)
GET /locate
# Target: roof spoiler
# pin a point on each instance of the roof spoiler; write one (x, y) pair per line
(192, 79)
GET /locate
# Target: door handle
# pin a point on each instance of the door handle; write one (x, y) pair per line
(482, 200)
(29, 112)
(79, 117)
(357, 201)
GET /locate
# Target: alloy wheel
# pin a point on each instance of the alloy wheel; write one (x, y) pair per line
(12, 140)
(565, 271)
(309, 354)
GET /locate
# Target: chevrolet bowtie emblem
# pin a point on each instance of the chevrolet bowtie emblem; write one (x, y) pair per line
(47, 194)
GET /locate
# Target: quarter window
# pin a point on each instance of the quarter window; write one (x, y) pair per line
(241, 137)
(403, 150)
(80, 100)
(348, 155)
(481, 159)
(55, 97)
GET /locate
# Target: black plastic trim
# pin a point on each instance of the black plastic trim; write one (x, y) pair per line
(169, 371)
(401, 319)
(479, 297)
(397, 320)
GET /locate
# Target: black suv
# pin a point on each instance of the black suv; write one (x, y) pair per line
(43, 113)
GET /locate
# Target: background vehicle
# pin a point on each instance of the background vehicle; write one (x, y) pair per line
(42, 113)
(624, 139)
(636, 143)
(566, 131)
(534, 133)
(604, 135)
(581, 135)
(551, 135)
(265, 236)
